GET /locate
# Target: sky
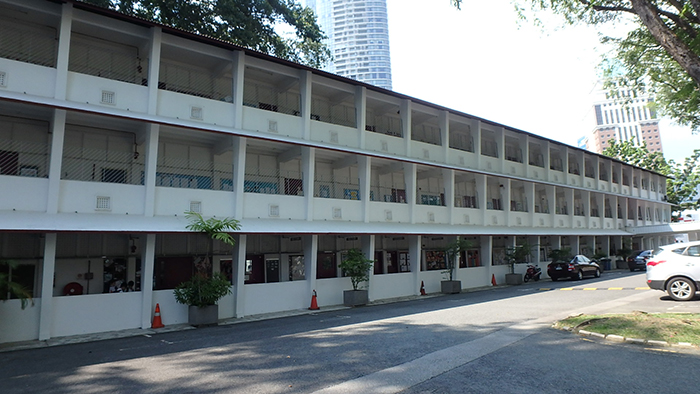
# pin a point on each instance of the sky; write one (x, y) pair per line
(481, 61)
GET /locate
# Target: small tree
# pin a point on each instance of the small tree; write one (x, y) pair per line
(518, 254)
(9, 289)
(356, 266)
(452, 253)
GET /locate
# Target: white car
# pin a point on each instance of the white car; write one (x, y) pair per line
(675, 268)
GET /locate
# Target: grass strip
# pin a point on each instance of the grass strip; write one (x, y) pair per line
(669, 327)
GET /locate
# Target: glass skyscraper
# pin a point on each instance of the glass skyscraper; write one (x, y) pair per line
(358, 37)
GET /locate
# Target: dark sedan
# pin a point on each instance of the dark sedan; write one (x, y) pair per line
(639, 261)
(579, 267)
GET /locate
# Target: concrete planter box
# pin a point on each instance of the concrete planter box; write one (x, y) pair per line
(355, 297)
(206, 316)
(514, 279)
(451, 286)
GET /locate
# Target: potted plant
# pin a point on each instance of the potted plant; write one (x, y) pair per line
(202, 292)
(514, 255)
(452, 253)
(13, 289)
(356, 266)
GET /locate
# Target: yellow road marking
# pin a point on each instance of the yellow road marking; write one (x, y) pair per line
(590, 288)
(641, 288)
(545, 288)
(566, 288)
(614, 288)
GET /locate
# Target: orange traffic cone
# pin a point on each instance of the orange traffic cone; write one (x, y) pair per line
(493, 280)
(157, 323)
(422, 288)
(314, 303)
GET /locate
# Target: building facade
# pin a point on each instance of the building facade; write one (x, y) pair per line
(111, 128)
(358, 37)
(629, 116)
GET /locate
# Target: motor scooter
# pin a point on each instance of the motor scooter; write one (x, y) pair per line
(532, 272)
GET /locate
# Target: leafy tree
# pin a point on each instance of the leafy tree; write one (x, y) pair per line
(452, 252)
(684, 178)
(659, 54)
(248, 23)
(518, 254)
(356, 266)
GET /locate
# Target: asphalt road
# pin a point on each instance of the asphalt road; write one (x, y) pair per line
(493, 341)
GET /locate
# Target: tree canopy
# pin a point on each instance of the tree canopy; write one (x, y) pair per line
(247, 23)
(684, 178)
(659, 55)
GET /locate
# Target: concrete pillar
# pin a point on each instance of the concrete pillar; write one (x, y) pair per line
(151, 164)
(239, 263)
(364, 173)
(308, 161)
(47, 277)
(361, 114)
(414, 256)
(239, 154)
(406, 125)
(444, 120)
(238, 75)
(486, 250)
(368, 246)
(154, 69)
(305, 85)
(58, 132)
(409, 173)
(64, 36)
(148, 253)
(311, 263)
(448, 179)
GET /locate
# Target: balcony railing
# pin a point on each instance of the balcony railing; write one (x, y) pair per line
(98, 165)
(28, 42)
(21, 158)
(336, 187)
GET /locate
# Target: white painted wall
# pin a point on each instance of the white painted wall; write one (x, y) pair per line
(393, 285)
(276, 297)
(81, 197)
(179, 105)
(176, 201)
(17, 324)
(259, 120)
(322, 132)
(87, 88)
(33, 197)
(96, 313)
(28, 78)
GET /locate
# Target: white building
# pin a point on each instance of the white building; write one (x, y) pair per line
(358, 37)
(112, 127)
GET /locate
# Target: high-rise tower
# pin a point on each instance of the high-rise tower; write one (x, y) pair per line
(358, 37)
(622, 118)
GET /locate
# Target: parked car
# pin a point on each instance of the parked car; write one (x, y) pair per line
(675, 268)
(639, 262)
(579, 267)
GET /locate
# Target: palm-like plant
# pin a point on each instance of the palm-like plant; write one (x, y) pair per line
(452, 252)
(215, 229)
(9, 289)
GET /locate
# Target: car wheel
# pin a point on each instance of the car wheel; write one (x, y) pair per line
(554, 279)
(579, 275)
(597, 273)
(681, 289)
(526, 278)
(631, 269)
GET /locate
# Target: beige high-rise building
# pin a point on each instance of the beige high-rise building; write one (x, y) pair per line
(622, 118)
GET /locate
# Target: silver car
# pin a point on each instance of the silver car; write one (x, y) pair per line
(675, 268)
